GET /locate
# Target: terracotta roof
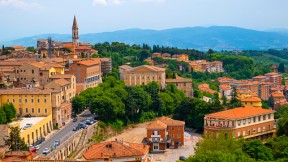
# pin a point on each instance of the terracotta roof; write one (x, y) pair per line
(240, 112)
(105, 59)
(18, 47)
(125, 67)
(89, 62)
(25, 91)
(115, 149)
(82, 48)
(271, 74)
(171, 122)
(225, 87)
(259, 77)
(251, 99)
(153, 68)
(277, 94)
(156, 125)
(61, 82)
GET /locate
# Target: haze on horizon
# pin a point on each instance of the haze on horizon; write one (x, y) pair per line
(21, 18)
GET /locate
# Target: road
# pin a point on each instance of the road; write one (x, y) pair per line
(64, 132)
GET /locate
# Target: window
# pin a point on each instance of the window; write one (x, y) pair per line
(156, 147)
(32, 100)
(45, 110)
(259, 129)
(254, 119)
(38, 110)
(249, 120)
(38, 100)
(32, 110)
(244, 133)
(269, 116)
(44, 100)
(13, 100)
(254, 130)
(244, 121)
(19, 100)
(26, 110)
(239, 122)
(239, 134)
(259, 118)
(249, 132)
(32, 71)
(25, 100)
(264, 117)
(264, 128)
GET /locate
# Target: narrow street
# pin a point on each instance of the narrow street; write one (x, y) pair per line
(64, 132)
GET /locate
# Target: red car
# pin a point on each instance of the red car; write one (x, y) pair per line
(32, 149)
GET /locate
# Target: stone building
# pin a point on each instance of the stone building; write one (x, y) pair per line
(142, 75)
(183, 84)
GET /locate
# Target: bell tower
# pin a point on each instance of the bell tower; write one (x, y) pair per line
(75, 36)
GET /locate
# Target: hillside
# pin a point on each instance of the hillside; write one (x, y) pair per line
(201, 38)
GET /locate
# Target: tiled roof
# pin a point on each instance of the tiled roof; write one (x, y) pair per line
(26, 91)
(18, 47)
(153, 68)
(277, 94)
(156, 125)
(259, 77)
(115, 149)
(89, 62)
(171, 122)
(251, 99)
(240, 112)
(61, 82)
(225, 87)
(125, 67)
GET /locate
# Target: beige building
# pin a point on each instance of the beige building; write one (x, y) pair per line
(142, 75)
(37, 71)
(184, 84)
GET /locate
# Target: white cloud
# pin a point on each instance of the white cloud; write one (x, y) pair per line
(19, 4)
(118, 2)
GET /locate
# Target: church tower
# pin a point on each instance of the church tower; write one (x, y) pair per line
(75, 36)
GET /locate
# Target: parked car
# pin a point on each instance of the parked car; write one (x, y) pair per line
(82, 126)
(29, 124)
(37, 147)
(41, 140)
(74, 119)
(74, 129)
(182, 158)
(33, 149)
(46, 151)
(27, 116)
(26, 127)
(56, 143)
(88, 122)
(93, 120)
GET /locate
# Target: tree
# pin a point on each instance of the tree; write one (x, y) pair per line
(31, 49)
(271, 102)
(10, 111)
(257, 150)
(279, 146)
(3, 119)
(166, 104)
(281, 68)
(282, 110)
(234, 102)
(78, 104)
(14, 141)
(282, 125)
(223, 148)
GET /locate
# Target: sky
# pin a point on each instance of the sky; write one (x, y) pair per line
(22, 18)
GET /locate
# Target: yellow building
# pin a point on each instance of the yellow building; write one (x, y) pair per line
(252, 101)
(241, 94)
(35, 102)
(40, 128)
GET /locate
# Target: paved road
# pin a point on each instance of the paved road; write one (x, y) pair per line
(64, 132)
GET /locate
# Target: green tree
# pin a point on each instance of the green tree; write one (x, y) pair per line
(3, 119)
(279, 146)
(257, 150)
(31, 49)
(282, 110)
(281, 68)
(10, 111)
(14, 141)
(234, 102)
(166, 104)
(282, 125)
(271, 101)
(78, 104)
(106, 108)
(223, 148)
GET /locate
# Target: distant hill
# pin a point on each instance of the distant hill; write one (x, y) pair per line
(201, 38)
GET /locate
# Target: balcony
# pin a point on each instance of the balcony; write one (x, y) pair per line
(156, 140)
(260, 133)
(224, 127)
